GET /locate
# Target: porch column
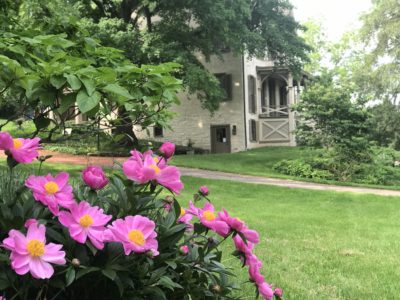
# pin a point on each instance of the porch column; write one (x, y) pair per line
(292, 120)
(277, 96)
(266, 93)
(78, 117)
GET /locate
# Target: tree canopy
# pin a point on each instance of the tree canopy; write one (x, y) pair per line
(155, 31)
(50, 72)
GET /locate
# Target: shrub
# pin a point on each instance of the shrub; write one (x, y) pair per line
(300, 168)
(122, 236)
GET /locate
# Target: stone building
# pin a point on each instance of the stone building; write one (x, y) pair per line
(256, 112)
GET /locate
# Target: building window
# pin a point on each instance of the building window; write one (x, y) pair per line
(158, 131)
(253, 130)
(252, 94)
(225, 81)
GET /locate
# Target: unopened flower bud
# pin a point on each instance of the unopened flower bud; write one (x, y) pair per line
(184, 250)
(216, 288)
(150, 254)
(203, 190)
(278, 292)
(169, 199)
(76, 262)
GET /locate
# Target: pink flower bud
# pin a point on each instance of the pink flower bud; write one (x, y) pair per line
(203, 190)
(184, 250)
(29, 222)
(278, 292)
(94, 177)
(167, 149)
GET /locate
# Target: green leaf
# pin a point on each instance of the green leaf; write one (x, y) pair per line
(118, 90)
(89, 85)
(66, 102)
(83, 272)
(86, 102)
(73, 81)
(41, 122)
(109, 273)
(47, 97)
(57, 81)
(70, 276)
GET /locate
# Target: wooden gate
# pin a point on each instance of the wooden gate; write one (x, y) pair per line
(274, 130)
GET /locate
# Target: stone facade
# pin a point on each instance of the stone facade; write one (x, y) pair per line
(194, 123)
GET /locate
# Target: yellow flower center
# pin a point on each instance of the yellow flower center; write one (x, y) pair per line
(155, 168)
(17, 143)
(209, 215)
(136, 237)
(86, 221)
(183, 212)
(51, 187)
(35, 248)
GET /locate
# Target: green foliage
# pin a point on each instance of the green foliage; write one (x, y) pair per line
(169, 275)
(301, 168)
(51, 72)
(158, 31)
(385, 124)
(381, 34)
(327, 165)
(329, 117)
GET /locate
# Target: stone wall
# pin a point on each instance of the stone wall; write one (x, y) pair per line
(192, 122)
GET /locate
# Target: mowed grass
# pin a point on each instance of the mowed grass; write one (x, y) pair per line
(315, 244)
(258, 162)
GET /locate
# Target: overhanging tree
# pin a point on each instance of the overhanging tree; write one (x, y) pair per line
(51, 72)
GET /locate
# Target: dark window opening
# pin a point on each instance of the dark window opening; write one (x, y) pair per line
(158, 131)
(225, 81)
(253, 130)
(221, 135)
(283, 96)
(271, 87)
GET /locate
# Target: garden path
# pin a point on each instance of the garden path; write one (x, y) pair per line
(207, 174)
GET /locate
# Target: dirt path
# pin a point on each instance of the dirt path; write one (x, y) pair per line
(109, 161)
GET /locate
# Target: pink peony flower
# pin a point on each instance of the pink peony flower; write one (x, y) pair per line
(52, 192)
(95, 177)
(184, 250)
(184, 217)
(85, 221)
(239, 226)
(278, 292)
(135, 233)
(167, 150)
(242, 247)
(2, 298)
(144, 168)
(203, 190)
(31, 254)
(265, 290)
(22, 150)
(209, 219)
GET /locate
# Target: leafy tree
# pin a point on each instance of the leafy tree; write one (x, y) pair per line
(385, 124)
(51, 72)
(381, 35)
(329, 117)
(158, 31)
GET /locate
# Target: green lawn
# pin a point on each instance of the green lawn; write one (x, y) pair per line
(260, 162)
(316, 244)
(253, 162)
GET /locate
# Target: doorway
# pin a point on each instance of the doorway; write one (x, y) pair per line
(220, 139)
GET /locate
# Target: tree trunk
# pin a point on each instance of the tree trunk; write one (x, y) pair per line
(125, 127)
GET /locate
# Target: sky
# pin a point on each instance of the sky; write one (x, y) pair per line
(336, 16)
